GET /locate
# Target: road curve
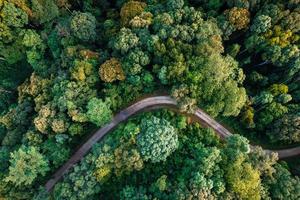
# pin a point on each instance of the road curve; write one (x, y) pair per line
(154, 102)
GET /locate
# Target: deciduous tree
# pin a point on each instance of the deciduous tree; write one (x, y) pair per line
(157, 140)
(26, 164)
(83, 26)
(98, 111)
(111, 70)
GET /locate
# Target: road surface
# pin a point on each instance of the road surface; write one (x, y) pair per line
(155, 102)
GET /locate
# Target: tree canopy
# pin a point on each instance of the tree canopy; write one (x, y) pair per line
(66, 67)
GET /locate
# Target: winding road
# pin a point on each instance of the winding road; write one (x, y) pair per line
(154, 102)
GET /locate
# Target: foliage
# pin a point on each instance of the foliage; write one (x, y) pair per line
(130, 10)
(56, 153)
(98, 111)
(157, 140)
(13, 16)
(261, 24)
(239, 17)
(283, 184)
(83, 26)
(243, 179)
(26, 165)
(44, 10)
(66, 66)
(202, 167)
(111, 70)
(125, 40)
(133, 193)
(285, 129)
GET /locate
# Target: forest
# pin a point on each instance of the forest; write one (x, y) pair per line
(67, 67)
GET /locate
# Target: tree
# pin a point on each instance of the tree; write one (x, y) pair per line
(111, 70)
(284, 98)
(271, 112)
(130, 10)
(44, 10)
(132, 193)
(237, 145)
(4, 158)
(72, 97)
(263, 98)
(255, 43)
(125, 40)
(283, 185)
(256, 78)
(98, 111)
(261, 24)
(291, 21)
(85, 71)
(6, 35)
(134, 61)
(13, 16)
(277, 89)
(32, 39)
(275, 11)
(55, 152)
(175, 4)
(243, 179)
(83, 26)
(23, 5)
(285, 129)
(239, 17)
(80, 183)
(157, 140)
(127, 158)
(247, 116)
(280, 37)
(263, 161)
(215, 71)
(26, 164)
(49, 120)
(35, 49)
(143, 20)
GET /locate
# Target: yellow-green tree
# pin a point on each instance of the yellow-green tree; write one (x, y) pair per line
(111, 70)
(131, 9)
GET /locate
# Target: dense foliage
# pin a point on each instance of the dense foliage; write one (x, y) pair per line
(201, 167)
(67, 66)
(157, 140)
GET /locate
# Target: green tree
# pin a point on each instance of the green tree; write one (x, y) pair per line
(157, 140)
(175, 4)
(132, 193)
(217, 69)
(243, 179)
(125, 40)
(4, 158)
(26, 164)
(13, 16)
(261, 24)
(83, 26)
(6, 34)
(283, 185)
(98, 111)
(55, 152)
(285, 129)
(44, 10)
(291, 21)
